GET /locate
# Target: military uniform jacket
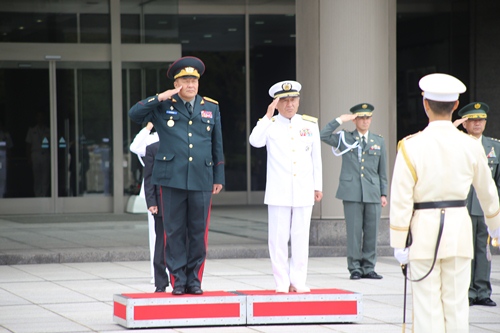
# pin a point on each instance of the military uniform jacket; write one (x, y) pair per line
(152, 192)
(294, 169)
(190, 155)
(363, 176)
(491, 148)
(439, 164)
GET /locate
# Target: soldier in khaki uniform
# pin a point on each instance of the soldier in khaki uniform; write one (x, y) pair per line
(473, 119)
(362, 186)
(293, 184)
(433, 173)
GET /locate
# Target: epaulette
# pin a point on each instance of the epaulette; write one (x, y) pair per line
(210, 100)
(378, 135)
(494, 139)
(407, 137)
(310, 118)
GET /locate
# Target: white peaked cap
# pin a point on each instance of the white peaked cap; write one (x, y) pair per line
(441, 87)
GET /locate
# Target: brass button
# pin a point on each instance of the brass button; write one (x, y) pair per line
(362, 160)
(363, 153)
(208, 121)
(362, 175)
(362, 168)
(164, 158)
(294, 175)
(190, 159)
(190, 134)
(190, 145)
(190, 122)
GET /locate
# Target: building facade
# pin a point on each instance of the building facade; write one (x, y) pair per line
(70, 70)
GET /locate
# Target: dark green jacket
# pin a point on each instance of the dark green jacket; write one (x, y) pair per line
(363, 178)
(492, 149)
(190, 155)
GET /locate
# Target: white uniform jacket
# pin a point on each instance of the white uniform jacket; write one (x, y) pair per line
(138, 146)
(294, 169)
(439, 164)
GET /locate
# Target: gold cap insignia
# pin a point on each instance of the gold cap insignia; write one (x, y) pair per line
(364, 106)
(189, 69)
(286, 86)
(477, 106)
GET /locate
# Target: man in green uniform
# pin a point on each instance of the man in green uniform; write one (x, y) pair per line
(189, 167)
(473, 119)
(362, 186)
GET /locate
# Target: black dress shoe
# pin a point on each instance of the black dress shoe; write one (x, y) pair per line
(371, 275)
(485, 301)
(179, 290)
(194, 290)
(471, 301)
(159, 290)
(355, 276)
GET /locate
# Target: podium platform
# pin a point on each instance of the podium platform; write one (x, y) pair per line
(243, 307)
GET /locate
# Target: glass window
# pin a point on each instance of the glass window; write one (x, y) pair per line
(272, 59)
(95, 28)
(38, 27)
(48, 21)
(149, 21)
(219, 41)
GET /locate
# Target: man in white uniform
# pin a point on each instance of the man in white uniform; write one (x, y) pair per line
(432, 176)
(294, 182)
(138, 146)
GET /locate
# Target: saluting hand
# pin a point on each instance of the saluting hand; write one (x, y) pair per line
(347, 117)
(459, 122)
(271, 108)
(168, 93)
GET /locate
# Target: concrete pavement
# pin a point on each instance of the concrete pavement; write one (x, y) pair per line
(58, 273)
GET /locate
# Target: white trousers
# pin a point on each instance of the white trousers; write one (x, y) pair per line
(440, 301)
(289, 223)
(152, 241)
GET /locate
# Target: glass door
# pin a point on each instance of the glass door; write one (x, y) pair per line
(55, 137)
(25, 149)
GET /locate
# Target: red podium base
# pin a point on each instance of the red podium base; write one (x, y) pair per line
(245, 307)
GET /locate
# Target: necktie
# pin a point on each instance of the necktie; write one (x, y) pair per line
(363, 142)
(189, 107)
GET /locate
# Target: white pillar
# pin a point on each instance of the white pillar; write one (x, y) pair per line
(346, 54)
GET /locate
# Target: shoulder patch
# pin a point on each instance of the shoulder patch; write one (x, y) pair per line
(411, 135)
(208, 99)
(310, 118)
(407, 138)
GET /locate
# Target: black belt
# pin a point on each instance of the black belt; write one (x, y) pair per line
(440, 204)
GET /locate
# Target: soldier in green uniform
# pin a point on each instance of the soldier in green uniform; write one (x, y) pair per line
(362, 187)
(189, 167)
(474, 116)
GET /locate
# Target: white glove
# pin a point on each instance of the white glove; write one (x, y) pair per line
(495, 233)
(402, 255)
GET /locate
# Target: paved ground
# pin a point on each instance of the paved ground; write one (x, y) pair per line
(68, 267)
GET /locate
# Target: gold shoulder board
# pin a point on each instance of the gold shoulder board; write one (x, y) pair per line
(210, 100)
(310, 118)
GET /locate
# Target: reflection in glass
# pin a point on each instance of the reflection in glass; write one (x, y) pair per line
(27, 158)
(38, 149)
(84, 132)
(272, 50)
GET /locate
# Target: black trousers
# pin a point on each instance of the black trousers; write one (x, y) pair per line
(159, 263)
(186, 218)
